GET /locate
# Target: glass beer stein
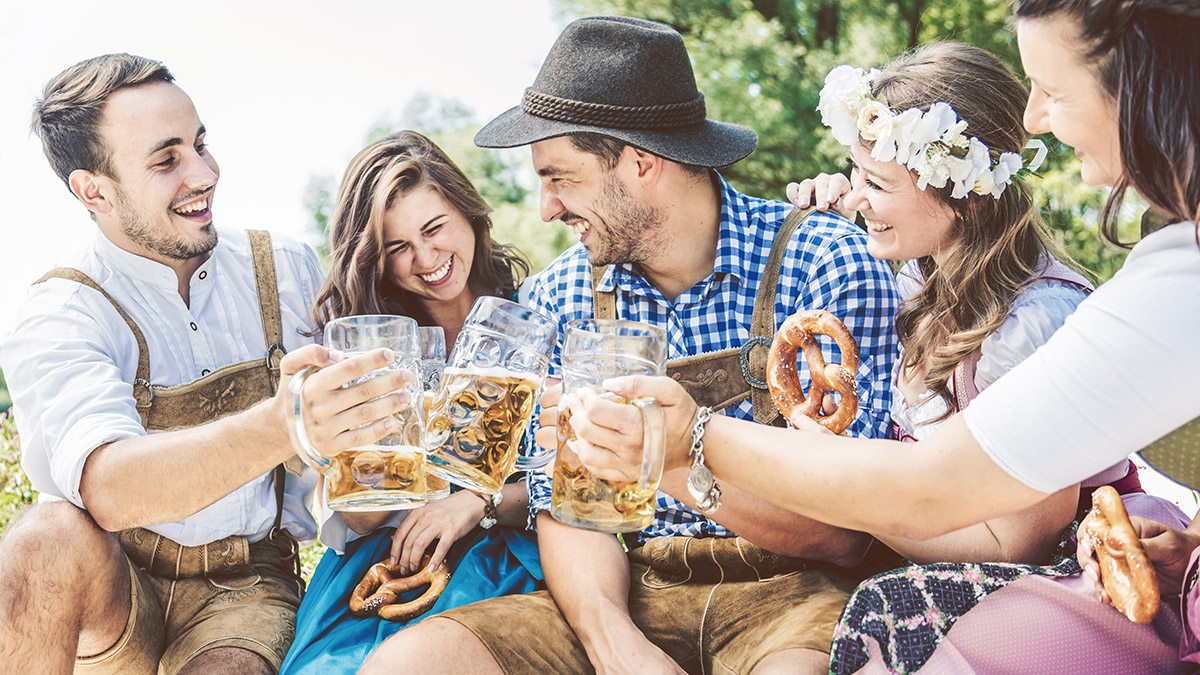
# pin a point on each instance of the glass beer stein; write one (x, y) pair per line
(389, 474)
(593, 351)
(487, 394)
(433, 362)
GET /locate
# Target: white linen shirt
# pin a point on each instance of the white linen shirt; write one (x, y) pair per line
(71, 360)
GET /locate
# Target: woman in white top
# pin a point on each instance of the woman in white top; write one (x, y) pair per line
(1116, 80)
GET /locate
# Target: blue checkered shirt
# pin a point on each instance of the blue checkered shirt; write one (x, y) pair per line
(826, 267)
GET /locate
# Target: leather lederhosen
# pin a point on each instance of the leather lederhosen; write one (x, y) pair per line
(730, 376)
(225, 391)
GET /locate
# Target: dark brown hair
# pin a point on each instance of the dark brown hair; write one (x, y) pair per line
(999, 242)
(357, 282)
(1146, 55)
(608, 150)
(66, 116)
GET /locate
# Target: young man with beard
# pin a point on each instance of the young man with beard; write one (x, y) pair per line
(627, 160)
(174, 549)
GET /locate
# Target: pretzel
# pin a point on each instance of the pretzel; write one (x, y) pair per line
(381, 586)
(783, 377)
(1127, 574)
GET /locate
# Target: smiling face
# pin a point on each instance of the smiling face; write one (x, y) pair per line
(591, 199)
(1066, 98)
(429, 246)
(164, 176)
(903, 221)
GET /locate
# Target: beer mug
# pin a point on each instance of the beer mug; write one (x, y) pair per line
(389, 474)
(487, 394)
(593, 351)
(433, 362)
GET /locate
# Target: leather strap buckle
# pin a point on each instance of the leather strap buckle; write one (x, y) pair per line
(744, 358)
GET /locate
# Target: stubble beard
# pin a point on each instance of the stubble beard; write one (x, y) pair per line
(631, 227)
(171, 245)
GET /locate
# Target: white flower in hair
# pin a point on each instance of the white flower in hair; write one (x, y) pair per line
(930, 143)
(966, 171)
(846, 90)
(1006, 167)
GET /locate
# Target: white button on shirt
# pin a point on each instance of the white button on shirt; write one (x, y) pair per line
(71, 359)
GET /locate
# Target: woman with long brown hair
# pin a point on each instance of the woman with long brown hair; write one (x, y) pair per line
(1114, 79)
(412, 236)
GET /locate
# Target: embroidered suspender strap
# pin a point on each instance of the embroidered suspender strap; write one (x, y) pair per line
(268, 299)
(763, 324)
(142, 393)
(604, 303)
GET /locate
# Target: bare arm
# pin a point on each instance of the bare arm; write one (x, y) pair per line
(934, 487)
(775, 528)
(1026, 536)
(759, 521)
(588, 577)
(163, 477)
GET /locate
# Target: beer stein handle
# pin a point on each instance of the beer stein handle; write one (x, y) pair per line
(653, 442)
(536, 462)
(307, 452)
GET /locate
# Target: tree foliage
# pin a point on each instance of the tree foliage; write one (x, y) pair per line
(761, 63)
(16, 492)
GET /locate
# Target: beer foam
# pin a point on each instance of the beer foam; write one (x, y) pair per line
(496, 372)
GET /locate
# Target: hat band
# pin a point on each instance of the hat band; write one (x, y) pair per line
(667, 116)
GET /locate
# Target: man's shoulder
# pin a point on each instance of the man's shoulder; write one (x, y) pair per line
(237, 243)
(817, 227)
(570, 267)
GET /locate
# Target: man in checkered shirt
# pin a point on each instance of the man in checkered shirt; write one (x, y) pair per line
(686, 252)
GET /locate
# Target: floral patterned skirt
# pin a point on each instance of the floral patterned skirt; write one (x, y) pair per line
(909, 610)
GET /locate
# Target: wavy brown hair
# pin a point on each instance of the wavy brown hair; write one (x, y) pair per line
(1145, 55)
(357, 282)
(999, 242)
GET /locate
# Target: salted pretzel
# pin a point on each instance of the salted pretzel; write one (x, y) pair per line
(783, 377)
(1127, 574)
(381, 586)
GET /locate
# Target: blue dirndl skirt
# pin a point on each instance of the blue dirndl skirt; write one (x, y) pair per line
(485, 564)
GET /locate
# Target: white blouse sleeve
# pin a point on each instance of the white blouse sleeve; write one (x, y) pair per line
(1037, 314)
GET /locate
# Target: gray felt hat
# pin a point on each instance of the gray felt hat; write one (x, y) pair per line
(625, 78)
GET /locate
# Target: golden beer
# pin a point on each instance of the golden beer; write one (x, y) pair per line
(475, 428)
(436, 487)
(580, 499)
(377, 477)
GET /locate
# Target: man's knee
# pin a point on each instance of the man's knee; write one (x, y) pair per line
(435, 645)
(57, 535)
(223, 660)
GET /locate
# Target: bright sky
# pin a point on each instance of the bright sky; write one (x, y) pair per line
(286, 90)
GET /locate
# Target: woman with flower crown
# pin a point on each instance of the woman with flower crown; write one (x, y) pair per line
(933, 193)
(1115, 79)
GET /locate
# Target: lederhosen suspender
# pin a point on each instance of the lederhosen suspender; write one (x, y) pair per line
(227, 390)
(730, 376)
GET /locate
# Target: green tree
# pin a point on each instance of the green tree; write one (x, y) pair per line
(762, 63)
(16, 492)
(5, 399)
